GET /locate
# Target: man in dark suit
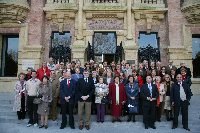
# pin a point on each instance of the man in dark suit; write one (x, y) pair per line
(180, 97)
(67, 94)
(149, 94)
(84, 91)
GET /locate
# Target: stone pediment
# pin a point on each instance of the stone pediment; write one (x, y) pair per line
(191, 10)
(13, 11)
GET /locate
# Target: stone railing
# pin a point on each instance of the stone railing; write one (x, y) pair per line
(104, 4)
(60, 5)
(148, 4)
(13, 11)
(191, 10)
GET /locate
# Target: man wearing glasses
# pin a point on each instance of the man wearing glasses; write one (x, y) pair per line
(180, 97)
(84, 91)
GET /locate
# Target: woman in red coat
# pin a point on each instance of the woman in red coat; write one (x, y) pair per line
(43, 71)
(117, 95)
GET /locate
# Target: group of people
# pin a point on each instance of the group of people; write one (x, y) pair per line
(102, 88)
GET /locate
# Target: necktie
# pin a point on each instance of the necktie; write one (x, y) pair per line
(150, 89)
(86, 80)
(68, 83)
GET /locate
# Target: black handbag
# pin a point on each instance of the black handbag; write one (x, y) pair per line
(105, 100)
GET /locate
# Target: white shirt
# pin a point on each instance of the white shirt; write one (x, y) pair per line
(32, 86)
(182, 93)
(117, 94)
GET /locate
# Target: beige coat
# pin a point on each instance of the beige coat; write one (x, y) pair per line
(162, 92)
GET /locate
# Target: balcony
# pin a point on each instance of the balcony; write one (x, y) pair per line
(102, 5)
(13, 11)
(148, 4)
(191, 10)
(56, 5)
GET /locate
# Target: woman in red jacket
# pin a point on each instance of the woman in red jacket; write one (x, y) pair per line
(43, 71)
(117, 95)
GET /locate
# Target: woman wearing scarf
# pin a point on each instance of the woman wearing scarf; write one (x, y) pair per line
(20, 97)
(161, 92)
(118, 97)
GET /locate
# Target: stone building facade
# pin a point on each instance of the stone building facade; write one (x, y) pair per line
(35, 21)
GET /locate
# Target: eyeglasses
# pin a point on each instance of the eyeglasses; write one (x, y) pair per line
(166, 77)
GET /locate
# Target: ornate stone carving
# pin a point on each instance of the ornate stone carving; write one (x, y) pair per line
(13, 11)
(105, 24)
(150, 17)
(191, 10)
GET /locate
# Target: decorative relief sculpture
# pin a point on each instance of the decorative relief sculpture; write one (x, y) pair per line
(105, 24)
(104, 43)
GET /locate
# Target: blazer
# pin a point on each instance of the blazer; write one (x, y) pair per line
(146, 93)
(85, 88)
(133, 93)
(175, 93)
(66, 91)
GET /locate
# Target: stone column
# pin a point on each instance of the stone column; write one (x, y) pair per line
(80, 20)
(33, 50)
(129, 20)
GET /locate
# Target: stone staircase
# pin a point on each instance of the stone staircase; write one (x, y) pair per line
(8, 116)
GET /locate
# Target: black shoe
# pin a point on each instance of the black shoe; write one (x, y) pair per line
(72, 127)
(133, 120)
(102, 121)
(146, 127)
(119, 120)
(158, 120)
(187, 129)
(174, 127)
(113, 120)
(153, 127)
(41, 126)
(128, 120)
(45, 126)
(62, 127)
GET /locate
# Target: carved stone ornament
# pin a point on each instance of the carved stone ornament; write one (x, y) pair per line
(191, 10)
(105, 24)
(13, 11)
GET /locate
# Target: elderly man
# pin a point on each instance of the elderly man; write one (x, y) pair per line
(149, 94)
(180, 97)
(84, 91)
(51, 65)
(67, 94)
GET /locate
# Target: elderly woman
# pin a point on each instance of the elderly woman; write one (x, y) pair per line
(45, 92)
(101, 90)
(20, 97)
(132, 90)
(117, 95)
(161, 92)
(167, 104)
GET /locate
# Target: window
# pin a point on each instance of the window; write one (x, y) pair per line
(196, 55)
(60, 47)
(148, 47)
(148, 39)
(9, 55)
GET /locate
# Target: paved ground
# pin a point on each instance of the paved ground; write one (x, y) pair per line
(10, 124)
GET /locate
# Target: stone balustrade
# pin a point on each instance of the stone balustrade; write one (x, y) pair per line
(13, 11)
(104, 4)
(52, 5)
(148, 4)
